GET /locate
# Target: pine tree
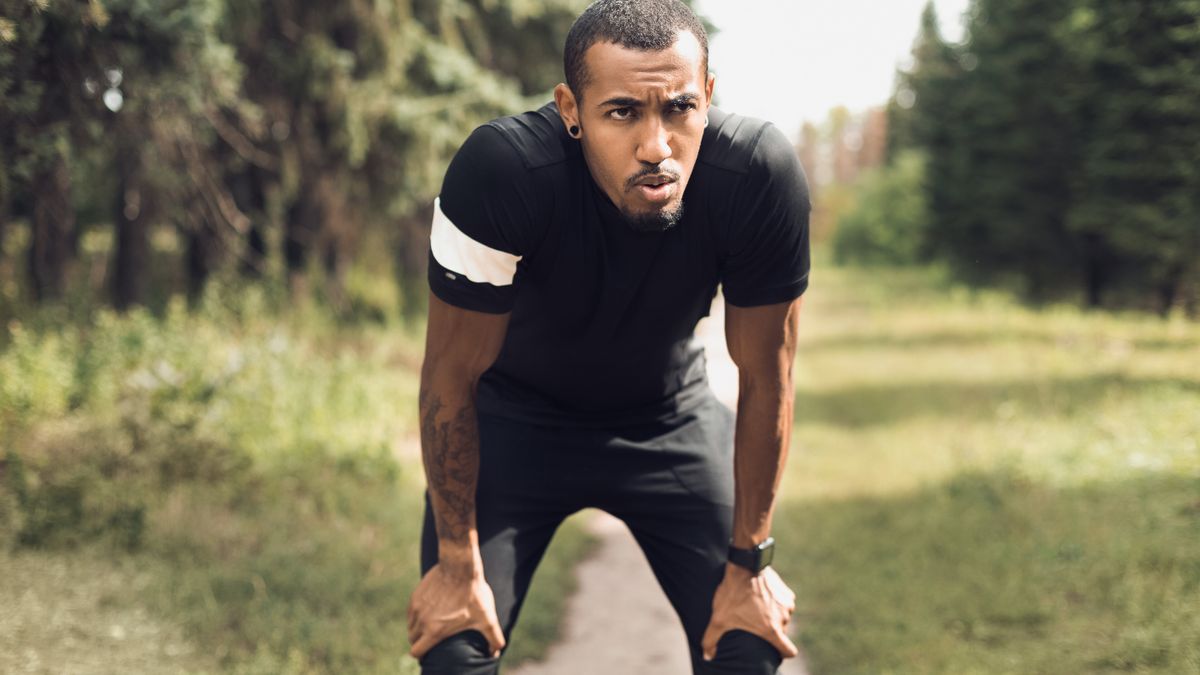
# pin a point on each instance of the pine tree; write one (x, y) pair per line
(1138, 191)
(917, 110)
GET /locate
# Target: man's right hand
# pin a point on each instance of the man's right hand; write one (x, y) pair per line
(445, 603)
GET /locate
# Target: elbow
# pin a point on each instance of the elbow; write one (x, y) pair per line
(765, 375)
(451, 375)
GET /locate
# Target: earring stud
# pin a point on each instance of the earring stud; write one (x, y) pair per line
(574, 131)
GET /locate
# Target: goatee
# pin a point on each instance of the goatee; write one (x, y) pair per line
(655, 221)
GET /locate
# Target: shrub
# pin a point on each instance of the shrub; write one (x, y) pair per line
(887, 226)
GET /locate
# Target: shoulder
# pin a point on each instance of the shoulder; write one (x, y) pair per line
(534, 139)
(746, 145)
(754, 149)
(500, 187)
(514, 154)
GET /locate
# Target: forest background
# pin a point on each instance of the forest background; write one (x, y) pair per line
(213, 228)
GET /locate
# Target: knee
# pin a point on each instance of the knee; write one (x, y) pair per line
(464, 653)
(742, 653)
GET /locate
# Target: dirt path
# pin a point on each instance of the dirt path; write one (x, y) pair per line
(619, 621)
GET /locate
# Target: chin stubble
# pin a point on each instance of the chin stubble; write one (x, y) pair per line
(657, 221)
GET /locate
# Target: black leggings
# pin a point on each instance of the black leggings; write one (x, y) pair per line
(671, 485)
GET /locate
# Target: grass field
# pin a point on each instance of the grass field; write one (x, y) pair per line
(226, 489)
(977, 487)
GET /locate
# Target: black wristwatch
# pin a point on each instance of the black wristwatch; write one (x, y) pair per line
(754, 559)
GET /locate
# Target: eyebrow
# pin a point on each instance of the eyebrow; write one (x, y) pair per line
(621, 101)
(630, 102)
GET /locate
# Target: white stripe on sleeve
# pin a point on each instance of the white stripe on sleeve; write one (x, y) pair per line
(459, 253)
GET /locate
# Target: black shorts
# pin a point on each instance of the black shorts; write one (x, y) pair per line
(672, 485)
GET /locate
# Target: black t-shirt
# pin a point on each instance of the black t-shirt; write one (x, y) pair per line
(601, 332)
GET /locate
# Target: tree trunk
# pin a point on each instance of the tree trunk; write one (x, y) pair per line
(1168, 289)
(52, 245)
(247, 188)
(202, 251)
(131, 252)
(338, 235)
(335, 263)
(1095, 271)
(411, 255)
(254, 262)
(300, 231)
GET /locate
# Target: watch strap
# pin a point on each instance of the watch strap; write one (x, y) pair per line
(754, 559)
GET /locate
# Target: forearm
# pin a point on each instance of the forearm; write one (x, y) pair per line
(450, 450)
(764, 424)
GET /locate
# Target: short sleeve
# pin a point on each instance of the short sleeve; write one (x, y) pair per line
(483, 225)
(768, 257)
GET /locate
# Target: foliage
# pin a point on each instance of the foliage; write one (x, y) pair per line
(1139, 183)
(887, 224)
(280, 140)
(243, 451)
(276, 137)
(102, 419)
(262, 468)
(1056, 135)
(979, 487)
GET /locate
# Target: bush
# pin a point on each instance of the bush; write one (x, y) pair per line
(254, 453)
(887, 226)
(251, 458)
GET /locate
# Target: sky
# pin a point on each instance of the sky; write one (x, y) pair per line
(788, 61)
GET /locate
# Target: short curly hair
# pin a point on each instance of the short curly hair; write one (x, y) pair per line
(647, 25)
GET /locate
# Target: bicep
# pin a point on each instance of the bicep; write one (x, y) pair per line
(460, 344)
(762, 339)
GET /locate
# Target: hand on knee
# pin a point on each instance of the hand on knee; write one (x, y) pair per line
(446, 602)
(759, 603)
(465, 653)
(742, 653)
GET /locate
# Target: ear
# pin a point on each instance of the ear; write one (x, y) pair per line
(708, 89)
(568, 107)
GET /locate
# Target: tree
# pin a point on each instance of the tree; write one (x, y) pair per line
(132, 78)
(274, 136)
(365, 102)
(1138, 190)
(1062, 140)
(1015, 148)
(44, 60)
(918, 108)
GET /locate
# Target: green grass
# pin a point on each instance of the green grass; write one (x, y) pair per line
(975, 487)
(540, 622)
(238, 480)
(978, 487)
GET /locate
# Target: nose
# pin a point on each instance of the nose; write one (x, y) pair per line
(654, 142)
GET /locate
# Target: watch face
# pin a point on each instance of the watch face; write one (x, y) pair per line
(766, 554)
(754, 559)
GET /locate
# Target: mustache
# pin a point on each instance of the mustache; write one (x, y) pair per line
(657, 170)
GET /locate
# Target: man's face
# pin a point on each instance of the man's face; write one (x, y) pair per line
(642, 117)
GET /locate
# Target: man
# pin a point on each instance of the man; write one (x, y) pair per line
(573, 251)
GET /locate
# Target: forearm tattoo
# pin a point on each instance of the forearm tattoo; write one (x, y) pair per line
(450, 449)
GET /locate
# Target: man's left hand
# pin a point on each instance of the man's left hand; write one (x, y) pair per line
(757, 603)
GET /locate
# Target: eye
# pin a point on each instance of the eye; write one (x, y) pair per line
(682, 106)
(621, 114)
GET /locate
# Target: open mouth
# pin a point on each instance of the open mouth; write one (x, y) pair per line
(656, 188)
